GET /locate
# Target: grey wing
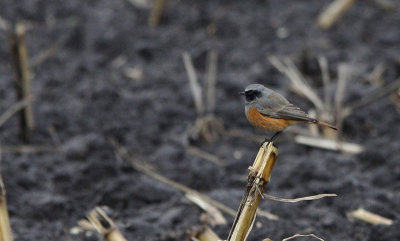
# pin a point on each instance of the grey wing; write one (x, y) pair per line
(276, 106)
(292, 112)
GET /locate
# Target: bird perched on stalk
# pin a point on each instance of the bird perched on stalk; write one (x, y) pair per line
(268, 110)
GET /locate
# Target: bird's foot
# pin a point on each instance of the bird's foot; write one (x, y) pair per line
(266, 140)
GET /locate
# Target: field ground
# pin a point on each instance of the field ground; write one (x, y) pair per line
(85, 93)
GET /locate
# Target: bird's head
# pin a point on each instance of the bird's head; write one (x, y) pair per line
(254, 92)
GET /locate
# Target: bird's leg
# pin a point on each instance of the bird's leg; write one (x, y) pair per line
(274, 136)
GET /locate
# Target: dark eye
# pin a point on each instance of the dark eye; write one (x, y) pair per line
(252, 94)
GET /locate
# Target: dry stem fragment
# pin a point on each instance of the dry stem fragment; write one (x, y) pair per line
(395, 98)
(23, 79)
(194, 83)
(293, 200)
(13, 109)
(144, 4)
(378, 93)
(344, 73)
(258, 178)
(333, 12)
(122, 153)
(212, 211)
(27, 148)
(206, 126)
(156, 12)
(369, 217)
(329, 144)
(326, 79)
(205, 155)
(303, 235)
(100, 221)
(387, 5)
(289, 69)
(5, 227)
(47, 53)
(205, 233)
(212, 59)
(54, 135)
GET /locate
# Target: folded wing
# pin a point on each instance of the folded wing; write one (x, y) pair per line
(278, 107)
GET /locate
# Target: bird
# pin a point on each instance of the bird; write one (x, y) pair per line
(270, 111)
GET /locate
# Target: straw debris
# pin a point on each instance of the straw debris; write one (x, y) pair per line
(333, 12)
(207, 126)
(156, 12)
(23, 77)
(5, 227)
(369, 217)
(204, 233)
(294, 200)
(303, 235)
(140, 166)
(195, 151)
(329, 144)
(102, 223)
(215, 215)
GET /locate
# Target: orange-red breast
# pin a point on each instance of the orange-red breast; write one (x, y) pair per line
(270, 111)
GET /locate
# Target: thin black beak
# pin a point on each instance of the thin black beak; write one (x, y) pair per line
(241, 93)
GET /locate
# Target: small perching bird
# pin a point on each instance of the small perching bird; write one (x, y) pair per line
(270, 111)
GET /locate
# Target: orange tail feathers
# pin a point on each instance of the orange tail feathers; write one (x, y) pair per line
(326, 124)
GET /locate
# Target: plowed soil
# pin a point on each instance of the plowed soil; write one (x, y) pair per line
(83, 91)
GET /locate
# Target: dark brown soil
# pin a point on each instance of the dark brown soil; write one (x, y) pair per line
(83, 92)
